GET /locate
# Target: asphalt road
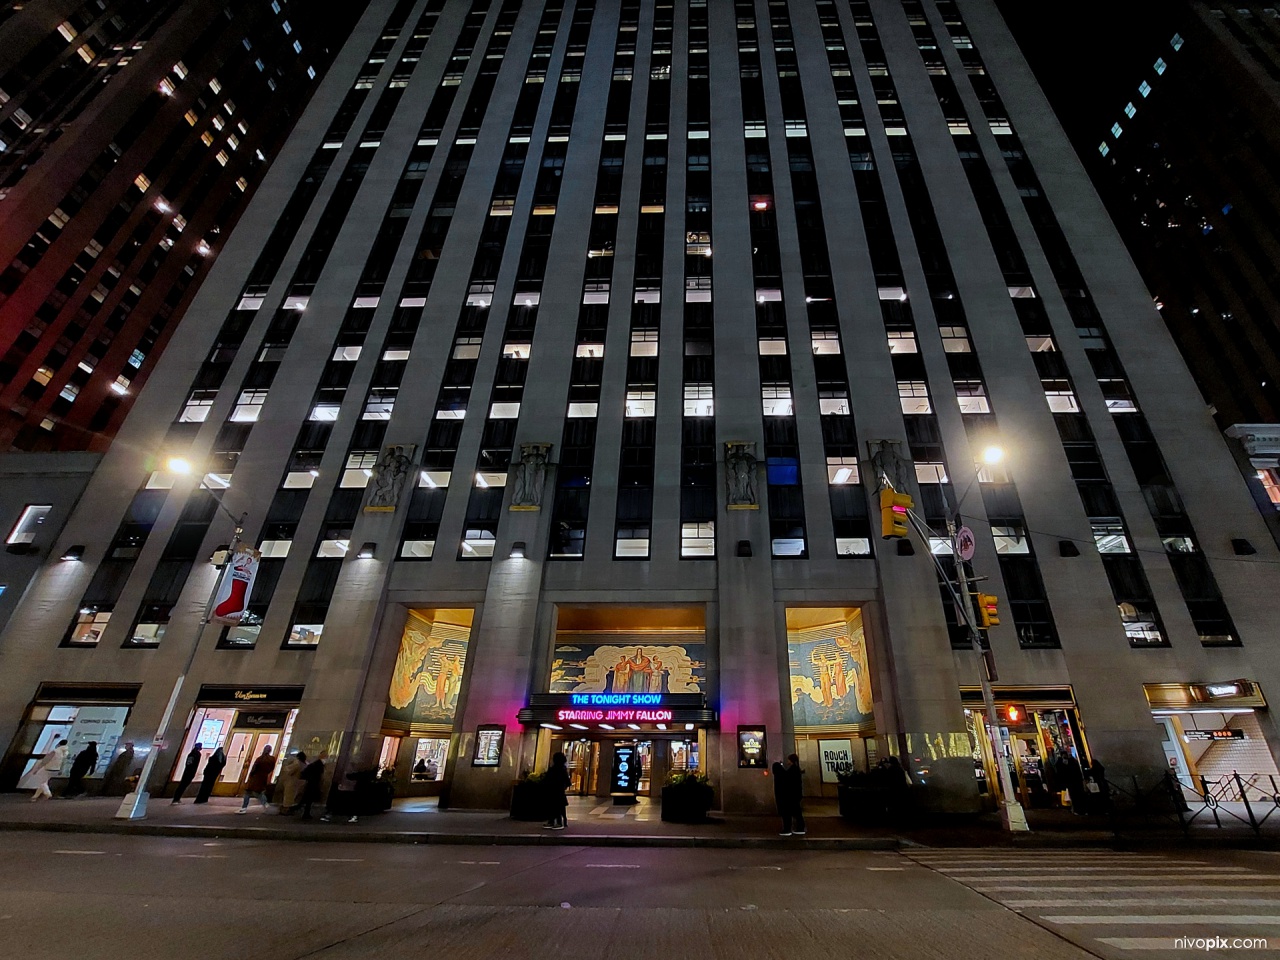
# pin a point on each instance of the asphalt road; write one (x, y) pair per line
(102, 897)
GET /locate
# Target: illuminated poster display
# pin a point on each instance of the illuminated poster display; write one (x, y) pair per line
(625, 779)
(488, 746)
(836, 757)
(751, 747)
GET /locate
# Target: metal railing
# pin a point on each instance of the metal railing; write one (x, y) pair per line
(1233, 800)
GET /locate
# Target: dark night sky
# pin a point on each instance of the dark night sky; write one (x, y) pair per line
(1090, 55)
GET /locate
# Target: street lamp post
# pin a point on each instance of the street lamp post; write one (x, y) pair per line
(134, 805)
(1012, 817)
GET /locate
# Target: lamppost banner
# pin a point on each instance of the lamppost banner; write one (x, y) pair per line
(231, 598)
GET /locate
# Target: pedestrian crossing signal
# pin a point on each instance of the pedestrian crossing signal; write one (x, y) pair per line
(893, 514)
(1014, 712)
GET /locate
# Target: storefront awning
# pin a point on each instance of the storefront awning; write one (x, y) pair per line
(1221, 695)
(1040, 698)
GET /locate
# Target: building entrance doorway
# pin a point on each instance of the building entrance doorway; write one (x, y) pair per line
(242, 749)
(589, 777)
(242, 735)
(590, 762)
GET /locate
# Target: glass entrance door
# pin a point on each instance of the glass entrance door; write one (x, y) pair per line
(583, 759)
(242, 749)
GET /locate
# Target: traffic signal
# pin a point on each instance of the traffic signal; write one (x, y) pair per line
(988, 610)
(1014, 713)
(893, 514)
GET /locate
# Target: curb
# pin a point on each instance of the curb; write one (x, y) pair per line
(1042, 840)
(334, 835)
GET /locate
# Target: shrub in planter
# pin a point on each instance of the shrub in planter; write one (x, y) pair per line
(873, 797)
(860, 800)
(529, 798)
(686, 798)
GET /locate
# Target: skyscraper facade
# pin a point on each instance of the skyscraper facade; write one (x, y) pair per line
(557, 372)
(131, 135)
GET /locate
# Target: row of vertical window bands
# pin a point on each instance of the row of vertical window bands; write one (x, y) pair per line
(1195, 579)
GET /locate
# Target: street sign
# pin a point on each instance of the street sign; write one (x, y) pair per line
(966, 544)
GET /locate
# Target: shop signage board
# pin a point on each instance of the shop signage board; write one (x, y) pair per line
(625, 779)
(751, 748)
(257, 720)
(488, 751)
(1213, 734)
(216, 693)
(836, 757)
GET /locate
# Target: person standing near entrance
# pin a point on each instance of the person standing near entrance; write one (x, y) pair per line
(259, 779)
(188, 771)
(1071, 779)
(212, 770)
(788, 793)
(85, 763)
(312, 783)
(557, 782)
(290, 782)
(117, 773)
(46, 768)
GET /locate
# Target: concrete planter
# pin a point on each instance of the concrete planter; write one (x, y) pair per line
(687, 802)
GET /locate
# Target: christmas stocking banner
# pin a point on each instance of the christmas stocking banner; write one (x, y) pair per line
(231, 598)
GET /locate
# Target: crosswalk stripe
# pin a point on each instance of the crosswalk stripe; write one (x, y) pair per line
(990, 864)
(1175, 919)
(951, 871)
(1015, 854)
(1149, 943)
(1098, 888)
(1142, 901)
(1037, 878)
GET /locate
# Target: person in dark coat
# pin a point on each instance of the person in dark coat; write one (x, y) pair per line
(312, 783)
(259, 779)
(113, 784)
(188, 771)
(212, 771)
(86, 762)
(556, 783)
(1071, 779)
(788, 793)
(1097, 773)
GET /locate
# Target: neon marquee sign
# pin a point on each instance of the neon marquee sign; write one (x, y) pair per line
(618, 715)
(606, 708)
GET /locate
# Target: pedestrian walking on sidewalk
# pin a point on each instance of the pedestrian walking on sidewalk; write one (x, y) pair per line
(556, 783)
(259, 779)
(84, 763)
(46, 768)
(290, 782)
(188, 771)
(212, 771)
(312, 783)
(788, 793)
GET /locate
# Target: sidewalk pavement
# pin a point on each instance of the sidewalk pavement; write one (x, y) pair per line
(418, 821)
